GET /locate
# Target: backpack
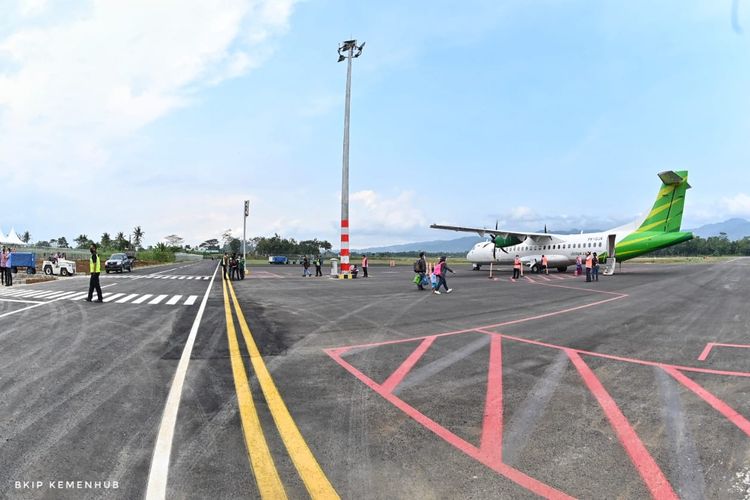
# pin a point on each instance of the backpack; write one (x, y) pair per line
(416, 265)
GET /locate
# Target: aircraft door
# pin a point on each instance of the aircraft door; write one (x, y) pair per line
(609, 268)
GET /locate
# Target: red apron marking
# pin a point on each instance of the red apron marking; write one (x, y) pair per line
(647, 467)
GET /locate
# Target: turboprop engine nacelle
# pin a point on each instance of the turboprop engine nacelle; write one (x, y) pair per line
(506, 241)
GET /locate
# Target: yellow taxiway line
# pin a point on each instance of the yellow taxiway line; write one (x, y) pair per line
(266, 475)
(316, 482)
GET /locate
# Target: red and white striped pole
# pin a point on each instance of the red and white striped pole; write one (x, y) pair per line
(345, 245)
(346, 51)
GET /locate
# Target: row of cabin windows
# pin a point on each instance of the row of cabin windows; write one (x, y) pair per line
(555, 247)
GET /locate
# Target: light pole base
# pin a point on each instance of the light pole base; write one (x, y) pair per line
(345, 276)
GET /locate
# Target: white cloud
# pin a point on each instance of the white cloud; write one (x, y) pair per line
(522, 214)
(738, 205)
(30, 8)
(73, 87)
(373, 213)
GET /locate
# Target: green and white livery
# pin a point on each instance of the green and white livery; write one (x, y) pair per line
(659, 229)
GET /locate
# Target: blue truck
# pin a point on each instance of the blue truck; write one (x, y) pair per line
(22, 259)
(278, 259)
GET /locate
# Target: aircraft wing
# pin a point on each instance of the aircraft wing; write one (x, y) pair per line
(483, 231)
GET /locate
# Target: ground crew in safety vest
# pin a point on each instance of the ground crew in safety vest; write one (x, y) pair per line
(95, 267)
(589, 265)
(544, 264)
(517, 268)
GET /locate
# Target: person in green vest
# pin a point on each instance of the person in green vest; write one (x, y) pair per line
(95, 267)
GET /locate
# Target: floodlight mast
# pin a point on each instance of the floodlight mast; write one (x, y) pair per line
(347, 50)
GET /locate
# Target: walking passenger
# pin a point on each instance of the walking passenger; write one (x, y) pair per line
(306, 267)
(589, 265)
(364, 266)
(579, 269)
(440, 269)
(420, 268)
(544, 264)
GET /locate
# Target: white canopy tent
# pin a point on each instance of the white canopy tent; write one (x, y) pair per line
(11, 239)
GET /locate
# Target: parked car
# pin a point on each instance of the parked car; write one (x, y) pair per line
(118, 262)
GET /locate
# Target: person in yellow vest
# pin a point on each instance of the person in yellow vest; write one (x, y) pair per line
(544, 264)
(95, 266)
(589, 265)
(517, 268)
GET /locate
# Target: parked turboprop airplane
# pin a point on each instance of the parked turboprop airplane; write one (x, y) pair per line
(660, 229)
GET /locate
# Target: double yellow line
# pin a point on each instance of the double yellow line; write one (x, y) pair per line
(266, 474)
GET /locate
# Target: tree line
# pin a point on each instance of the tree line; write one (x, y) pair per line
(106, 241)
(711, 246)
(265, 246)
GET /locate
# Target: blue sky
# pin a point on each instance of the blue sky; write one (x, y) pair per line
(168, 114)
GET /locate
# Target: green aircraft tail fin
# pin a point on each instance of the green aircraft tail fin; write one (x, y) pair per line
(666, 214)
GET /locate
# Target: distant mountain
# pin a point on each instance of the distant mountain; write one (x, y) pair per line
(735, 229)
(437, 246)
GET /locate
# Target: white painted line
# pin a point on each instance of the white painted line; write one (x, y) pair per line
(174, 300)
(39, 293)
(166, 270)
(190, 277)
(173, 277)
(18, 293)
(142, 299)
(113, 297)
(41, 304)
(44, 294)
(157, 477)
(191, 300)
(30, 307)
(67, 295)
(181, 277)
(158, 299)
(22, 301)
(127, 298)
(55, 294)
(79, 296)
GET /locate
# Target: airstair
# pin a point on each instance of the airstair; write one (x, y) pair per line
(609, 267)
